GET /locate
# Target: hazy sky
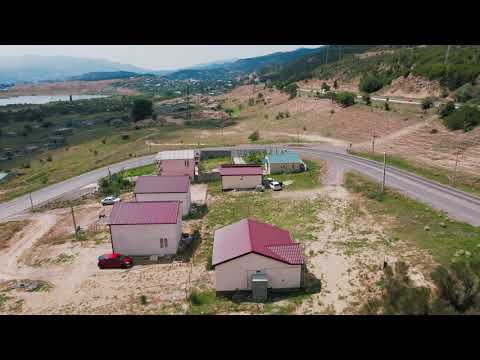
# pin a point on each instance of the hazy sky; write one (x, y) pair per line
(153, 57)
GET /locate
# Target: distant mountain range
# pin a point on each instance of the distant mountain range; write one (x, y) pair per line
(36, 68)
(33, 68)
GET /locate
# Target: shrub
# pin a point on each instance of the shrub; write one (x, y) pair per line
(446, 109)
(466, 118)
(125, 136)
(104, 141)
(26, 165)
(255, 136)
(367, 99)
(427, 103)
(291, 90)
(459, 285)
(325, 86)
(386, 106)
(335, 84)
(370, 83)
(143, 300)
(95, 152)
(433, 131)
(344, 98)
(251, 101)
(49, 158)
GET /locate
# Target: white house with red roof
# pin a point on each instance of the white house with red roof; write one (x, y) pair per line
(249, 247)
(164, 188)
(146, 228)
(240, 176)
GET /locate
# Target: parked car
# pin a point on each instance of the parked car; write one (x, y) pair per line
(110, 200)
(266, 182)
(275, 186)
(114, 261)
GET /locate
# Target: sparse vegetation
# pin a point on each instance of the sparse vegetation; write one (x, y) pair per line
(427, 103)
(445, 236)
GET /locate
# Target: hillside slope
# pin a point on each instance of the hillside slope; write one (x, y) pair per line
(350, 63)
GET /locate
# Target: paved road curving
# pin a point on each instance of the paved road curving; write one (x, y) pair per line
(458, 204)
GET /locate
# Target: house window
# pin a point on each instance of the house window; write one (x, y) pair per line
(163, 243)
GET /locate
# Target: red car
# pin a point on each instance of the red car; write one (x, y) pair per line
(114, 261)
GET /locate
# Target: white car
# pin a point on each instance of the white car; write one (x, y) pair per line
(110, 200)
(275, 186)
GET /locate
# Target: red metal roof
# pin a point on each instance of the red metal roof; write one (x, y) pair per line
(248, 236)
(240, 169)
(162, 184)
(142, 213)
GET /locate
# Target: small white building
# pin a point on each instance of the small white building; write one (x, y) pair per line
(145, 228)
(164, 188)
(176, 163)
(240, 176)
(248, 248)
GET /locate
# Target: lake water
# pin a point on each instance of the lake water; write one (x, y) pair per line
(43, 99)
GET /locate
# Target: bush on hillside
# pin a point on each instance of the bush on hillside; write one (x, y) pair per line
(255, 136)
(344, 98)
(446, 109)
(325, 86)
(370, 83)
(427, 103)
(367, 99)
(291, 90)
(466, 118)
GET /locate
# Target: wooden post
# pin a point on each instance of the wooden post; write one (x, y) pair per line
(373, 144)
(384, 170)
(74, 222)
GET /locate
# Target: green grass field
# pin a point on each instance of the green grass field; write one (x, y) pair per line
(444, 236)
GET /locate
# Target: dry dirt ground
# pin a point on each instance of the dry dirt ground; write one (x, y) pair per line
(314, 120)
(45, 250)
(346, 255)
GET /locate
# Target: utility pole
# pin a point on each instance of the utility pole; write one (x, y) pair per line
(74, 222)
(373, 144)
(31, 201)
(109, 174)
(384, 170)
(455, 169)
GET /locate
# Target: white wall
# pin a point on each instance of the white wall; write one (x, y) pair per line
(241, 182)
(145, 239)
(184, 198)
(235, 274)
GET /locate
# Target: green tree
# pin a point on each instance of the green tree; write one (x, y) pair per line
(291, 90)
(370, 83)
(446, 109)
(344, 98)
(141, 109)
(335, 85)
(466, 118)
